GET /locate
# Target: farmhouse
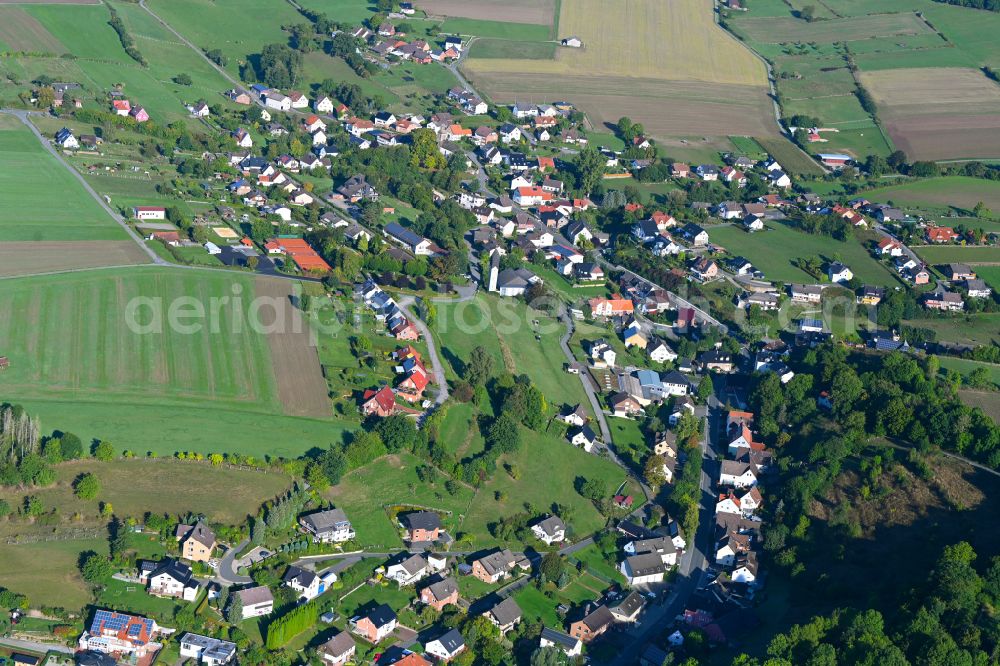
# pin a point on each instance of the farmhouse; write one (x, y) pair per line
(611, 307)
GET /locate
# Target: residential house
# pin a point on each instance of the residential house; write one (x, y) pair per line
(704, 269)
(255, 601)
(745, 504)
(577, 416)
(338, 650)
(633, 336)
(196, 541)
(328, 526)
(744, 568)
(684, 404)
(958, 272)
(624, 405)
(707, 172)
(120, 635)
(888, 246)
(550, 530)
(660, 546)
(611, 307)
(976, 288)
(646, 568)
(629, 608)
(941, 234)
(139, 114)
(441, 593)
(495, 566)
(379, 403)
(572, 647)
(415, 243)
(447, 647)
(583, 437)
(659, 351)
(504, 615)
(592, 625)
(871, 295)
(738, 474)
(716, 359)
(513, 281)
(602, 355)
(838, 272)
(805, 293)
(407, 570)
(665, 444)
(376, 624)
(694, 234)
(173, 579)
(421, 526)
(778, 178)
(948, 301)
(307, 584)
(676, 383)
(65, 139)
(207, 650)
(355, 189)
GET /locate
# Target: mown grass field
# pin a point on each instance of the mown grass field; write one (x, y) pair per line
(773, 250)
(991, 274)
(945, 254)
(47, 571)
(790, 157)
(941, 194)
(236, 27)
(29, 178)
(966, 366)
(77, 361)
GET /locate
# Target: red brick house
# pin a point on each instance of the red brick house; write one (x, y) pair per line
(440, 594)
(593, 625)
(412, 388)
(381, 403)
(421, 526)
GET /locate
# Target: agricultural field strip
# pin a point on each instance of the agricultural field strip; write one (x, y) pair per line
(540, 12)
(781, 30)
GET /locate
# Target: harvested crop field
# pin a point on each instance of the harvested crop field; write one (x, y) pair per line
(50, 2)
(664, 64)
(938, 113)
(540, 12)
(32, 258)
(21, 31)
(302, 389)
(665, 108)
(781, 30)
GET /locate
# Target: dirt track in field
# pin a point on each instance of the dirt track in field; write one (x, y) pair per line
(539, 12)
(34, 257)
(302, 389)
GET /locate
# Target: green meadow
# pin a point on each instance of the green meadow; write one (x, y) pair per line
(29, 179)
(774, 249)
